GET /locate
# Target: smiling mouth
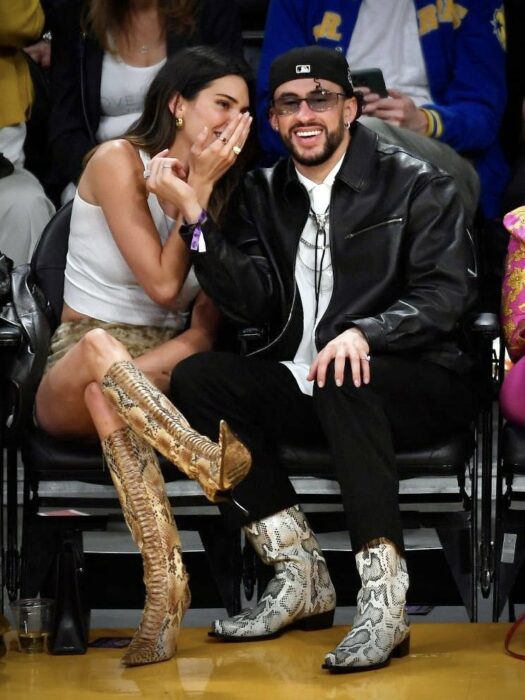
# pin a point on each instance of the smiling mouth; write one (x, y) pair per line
(307, 133)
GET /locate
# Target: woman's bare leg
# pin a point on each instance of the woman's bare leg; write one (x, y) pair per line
(60, 404)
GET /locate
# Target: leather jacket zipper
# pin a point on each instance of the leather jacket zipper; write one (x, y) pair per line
(269, 345)
(397, 220)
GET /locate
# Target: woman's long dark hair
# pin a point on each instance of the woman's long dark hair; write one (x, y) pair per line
(111, 17)
(186, 73)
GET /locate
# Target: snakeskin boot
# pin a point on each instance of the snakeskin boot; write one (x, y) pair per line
(300, 595)
(217, 467)
(135, 472)
(380, 630)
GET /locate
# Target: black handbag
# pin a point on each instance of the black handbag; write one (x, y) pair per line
(23, 306)
(70, 628)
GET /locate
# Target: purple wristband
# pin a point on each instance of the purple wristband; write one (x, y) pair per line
(197, 230)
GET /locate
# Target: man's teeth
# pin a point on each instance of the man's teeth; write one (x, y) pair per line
(311, 132)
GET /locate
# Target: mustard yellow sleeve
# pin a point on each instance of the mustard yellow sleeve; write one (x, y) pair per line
(21, 22)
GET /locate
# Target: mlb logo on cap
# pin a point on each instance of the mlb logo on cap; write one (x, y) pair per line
(303, 68)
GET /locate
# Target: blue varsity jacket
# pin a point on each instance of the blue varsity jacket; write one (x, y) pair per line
(463, 46)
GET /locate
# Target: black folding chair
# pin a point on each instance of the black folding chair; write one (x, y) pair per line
(70, 474)
(428, 503)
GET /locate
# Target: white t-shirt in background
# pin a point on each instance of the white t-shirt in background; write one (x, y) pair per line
(386, 36)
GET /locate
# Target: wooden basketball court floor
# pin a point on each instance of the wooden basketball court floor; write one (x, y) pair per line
(446, 661)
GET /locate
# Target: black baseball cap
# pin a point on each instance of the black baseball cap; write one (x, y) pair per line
(311, 62)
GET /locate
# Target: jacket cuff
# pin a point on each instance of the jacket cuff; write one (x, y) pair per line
(434, 123)
(373, 332)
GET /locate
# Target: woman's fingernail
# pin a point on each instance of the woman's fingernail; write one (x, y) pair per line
(357, 383)
(338, 382)
(320, 385)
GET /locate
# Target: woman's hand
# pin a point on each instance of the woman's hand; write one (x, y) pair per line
(208, 163)
(166, 177)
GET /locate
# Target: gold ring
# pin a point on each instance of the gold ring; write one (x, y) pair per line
(236, 150)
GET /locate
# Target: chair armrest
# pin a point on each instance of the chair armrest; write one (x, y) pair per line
(485, 323)
(248, 337)
(10, 336)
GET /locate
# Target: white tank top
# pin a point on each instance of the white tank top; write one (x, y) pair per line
(122, 92)
(98, 281)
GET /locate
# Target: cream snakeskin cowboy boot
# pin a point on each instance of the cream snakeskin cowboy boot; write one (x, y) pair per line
(300, 595)
(135, 472)
(380, 630)
(217, 467)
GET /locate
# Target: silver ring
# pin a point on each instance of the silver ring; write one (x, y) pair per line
(366, 358)
(236, 150)
(166, 166)
(223, 139)
(147, 173)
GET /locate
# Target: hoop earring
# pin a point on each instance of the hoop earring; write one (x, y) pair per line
(179, 122)
(347, 125)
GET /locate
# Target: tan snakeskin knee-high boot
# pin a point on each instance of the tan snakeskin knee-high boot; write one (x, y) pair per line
(141, 490)
(217, 467)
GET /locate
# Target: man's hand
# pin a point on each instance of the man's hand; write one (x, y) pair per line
(350, 346)
(40, 53)
(398, 109)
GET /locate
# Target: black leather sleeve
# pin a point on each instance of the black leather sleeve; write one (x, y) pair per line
(440, 274)
(234, 271)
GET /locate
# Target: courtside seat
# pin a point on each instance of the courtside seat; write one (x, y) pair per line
(427, 476)
(70, 474)
(509, 559)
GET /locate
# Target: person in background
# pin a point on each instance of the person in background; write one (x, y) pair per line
(444, 66)
(513, 130)
(354, 255)
(24, 207)
(105, 54)
(512, 392)
(133, 309)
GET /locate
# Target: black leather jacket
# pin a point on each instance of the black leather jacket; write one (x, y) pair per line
(403, 261)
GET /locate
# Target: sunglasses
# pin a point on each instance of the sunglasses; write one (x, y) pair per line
(319, 101)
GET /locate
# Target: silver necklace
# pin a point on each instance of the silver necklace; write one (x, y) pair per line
(312, 245)
(320, 222)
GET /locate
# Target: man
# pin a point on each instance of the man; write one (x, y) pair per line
(444, 67)
(354, 256)
(24, 207)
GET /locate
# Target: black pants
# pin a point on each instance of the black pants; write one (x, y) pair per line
(408, 404)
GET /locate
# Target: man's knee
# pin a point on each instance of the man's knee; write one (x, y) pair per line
(188, 374)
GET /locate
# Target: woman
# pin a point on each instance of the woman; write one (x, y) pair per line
(104, 55)
(513, 318)
(127, 277)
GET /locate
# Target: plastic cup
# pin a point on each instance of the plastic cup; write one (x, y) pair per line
(32, 619)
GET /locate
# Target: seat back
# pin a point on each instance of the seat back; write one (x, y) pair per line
(49, 260)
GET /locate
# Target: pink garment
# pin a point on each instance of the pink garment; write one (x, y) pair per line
(512, 394)
(513, 292)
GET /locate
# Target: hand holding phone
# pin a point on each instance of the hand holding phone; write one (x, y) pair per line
(371, 78)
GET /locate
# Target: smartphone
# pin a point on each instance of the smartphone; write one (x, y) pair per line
(371, 78)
